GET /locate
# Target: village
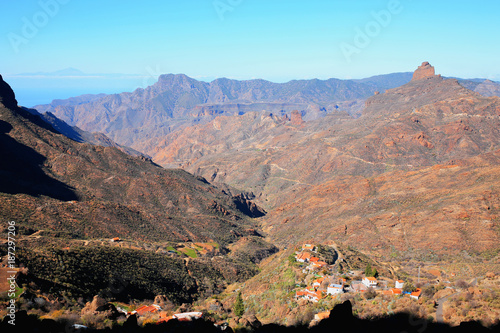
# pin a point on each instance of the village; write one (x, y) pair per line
(348, 282)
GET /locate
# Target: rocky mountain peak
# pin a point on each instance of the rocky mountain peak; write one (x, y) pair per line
(7, 96)
(423, 71)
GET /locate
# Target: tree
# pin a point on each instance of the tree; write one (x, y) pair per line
(370, 272)
(239, 307)
(409, 287)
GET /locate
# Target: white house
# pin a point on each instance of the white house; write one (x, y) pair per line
(369, 282)
(317, 282)
(334, 289)
(400, 284)
(416, 294)
(188, 315)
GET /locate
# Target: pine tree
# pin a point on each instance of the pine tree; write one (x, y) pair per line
(239, 307)
(368, 270)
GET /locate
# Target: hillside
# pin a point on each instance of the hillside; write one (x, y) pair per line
(419, 162)
(47, 175)
(69, 199)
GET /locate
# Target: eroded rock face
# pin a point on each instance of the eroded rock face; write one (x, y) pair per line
(296, 118)
(423, 71)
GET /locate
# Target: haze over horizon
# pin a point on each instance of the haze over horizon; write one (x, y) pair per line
(241, 40)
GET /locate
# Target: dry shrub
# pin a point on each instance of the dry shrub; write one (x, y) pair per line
(97, 321)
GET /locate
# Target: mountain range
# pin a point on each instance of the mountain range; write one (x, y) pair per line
(137, 119)
(222, 175)
(282, 143)
(420, 159)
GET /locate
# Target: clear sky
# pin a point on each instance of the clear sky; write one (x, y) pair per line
(276, 40)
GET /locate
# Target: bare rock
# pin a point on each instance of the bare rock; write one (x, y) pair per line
(100, 306)
(296, 118)
(159, 299)
(250, 321)
(423, 71)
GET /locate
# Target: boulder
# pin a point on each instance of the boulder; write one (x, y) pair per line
(250, 321)
(100, 306)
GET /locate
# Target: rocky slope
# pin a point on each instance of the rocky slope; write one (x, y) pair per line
(416, 172)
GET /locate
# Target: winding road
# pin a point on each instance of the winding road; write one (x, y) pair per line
(442, 300)
(439, 311)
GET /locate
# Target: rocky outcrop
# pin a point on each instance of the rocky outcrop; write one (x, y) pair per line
(7, 96)
(100, 306)
(423, 71)
(296, 118)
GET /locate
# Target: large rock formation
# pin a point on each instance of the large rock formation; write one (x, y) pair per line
(296, 118)
(423, 71)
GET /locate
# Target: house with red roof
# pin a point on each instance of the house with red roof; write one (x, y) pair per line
(416, 293)
(318, 264)
(309, 295)
(143, 310)
(303, 257)
(393, 291)
(317, 282)
(369, 281)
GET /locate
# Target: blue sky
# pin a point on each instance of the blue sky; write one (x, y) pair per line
(275, 40)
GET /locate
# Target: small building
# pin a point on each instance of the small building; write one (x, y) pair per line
(318, 264)
(357, 286)
(188, 316)
(303, 257)
(309, 295)
(400, 284)
(416, 293)
(334, 289)
(369, 281)
(314, 259)
(116, 239)
(393, 291)
(309, 247)
(317, 282)
(143, 310)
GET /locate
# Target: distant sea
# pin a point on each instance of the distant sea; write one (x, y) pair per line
(31, 91)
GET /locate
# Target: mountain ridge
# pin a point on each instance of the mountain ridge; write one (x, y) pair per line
(325, 176)
(176, 101)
